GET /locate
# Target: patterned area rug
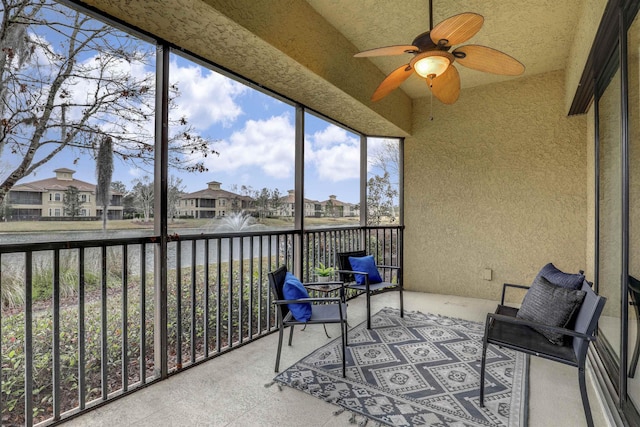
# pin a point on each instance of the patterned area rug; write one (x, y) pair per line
(420, 370)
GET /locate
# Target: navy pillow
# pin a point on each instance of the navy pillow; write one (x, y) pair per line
(293, 289)
(365, 264)
(560, 278)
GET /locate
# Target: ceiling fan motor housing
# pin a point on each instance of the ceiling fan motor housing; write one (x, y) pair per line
(424, 43)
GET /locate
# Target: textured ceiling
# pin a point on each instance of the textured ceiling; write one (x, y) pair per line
(538, 33)
(303, 50)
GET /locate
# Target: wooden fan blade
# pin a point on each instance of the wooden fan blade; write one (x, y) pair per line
(391, 82)
(387, 51)
(457, 29)
(446, 87)
(489, 60)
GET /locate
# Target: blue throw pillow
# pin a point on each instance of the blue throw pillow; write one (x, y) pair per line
(365, 264)
(560, 278)
(293, 289)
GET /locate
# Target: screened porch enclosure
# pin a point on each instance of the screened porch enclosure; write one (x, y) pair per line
(100, 336)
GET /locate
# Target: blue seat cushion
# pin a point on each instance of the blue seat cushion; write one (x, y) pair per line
(293, 289)
(366, 264)
(560, 278)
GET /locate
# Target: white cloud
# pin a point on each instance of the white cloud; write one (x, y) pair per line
(338, 163)
(136, 172)
(266, 144)
(330, 136)
(376, 144)
(335, 154)
(331, 154)
(206, 97)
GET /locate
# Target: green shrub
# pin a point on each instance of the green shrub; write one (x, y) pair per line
(13, 360)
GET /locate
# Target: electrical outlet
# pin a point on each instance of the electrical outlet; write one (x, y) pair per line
(488, 274)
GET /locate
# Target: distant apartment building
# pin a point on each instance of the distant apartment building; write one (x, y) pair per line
(312, 208)
(338, 209)
(212, 202)
(45, 198)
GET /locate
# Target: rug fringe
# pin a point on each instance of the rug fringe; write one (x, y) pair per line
(338, 411)
(267, 385)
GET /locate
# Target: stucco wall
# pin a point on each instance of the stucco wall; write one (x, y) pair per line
(497, 181)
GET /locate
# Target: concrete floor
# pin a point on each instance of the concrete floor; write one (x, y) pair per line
(230, 390)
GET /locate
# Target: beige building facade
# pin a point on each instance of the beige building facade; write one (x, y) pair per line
(338, 209)
(45, 199)
(212, 202)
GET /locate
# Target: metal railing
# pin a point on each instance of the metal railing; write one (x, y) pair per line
(78, 318)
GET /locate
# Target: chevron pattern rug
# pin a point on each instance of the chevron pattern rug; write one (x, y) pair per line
(420, 370)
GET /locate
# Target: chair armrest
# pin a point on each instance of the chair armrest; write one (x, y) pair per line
(333, 282)
(395, 267)
(509, 285)
(491, 317)
(305, 300)
(352, 272)
(364, 273)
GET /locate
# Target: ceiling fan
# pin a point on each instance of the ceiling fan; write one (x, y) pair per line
(433, 61)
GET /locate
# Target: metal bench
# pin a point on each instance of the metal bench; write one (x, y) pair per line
(503, 329)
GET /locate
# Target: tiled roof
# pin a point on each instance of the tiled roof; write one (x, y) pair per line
(291, 199)
(54, 184)
(214, 194)
(337, 203)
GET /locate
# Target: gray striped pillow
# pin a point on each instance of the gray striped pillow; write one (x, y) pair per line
(551, 305)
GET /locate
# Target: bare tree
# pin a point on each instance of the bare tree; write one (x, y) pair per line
(143, 196)
(380, 196)
(243, 199)
(119, 187)
(386, 158)
(384, 179)
(276, 202)
(329, 208)
(68, 80)
(262, 200)
(175, 189)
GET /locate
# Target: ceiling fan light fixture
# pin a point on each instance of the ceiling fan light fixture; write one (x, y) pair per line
(432, 63)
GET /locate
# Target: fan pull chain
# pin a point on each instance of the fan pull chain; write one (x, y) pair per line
(430, 83)
(431, 108)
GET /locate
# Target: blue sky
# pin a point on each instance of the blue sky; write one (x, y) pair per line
(253, 133)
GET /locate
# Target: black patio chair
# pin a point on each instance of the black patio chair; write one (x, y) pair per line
(323, 311)
(634, 296)
(503, 329)
(346, 273)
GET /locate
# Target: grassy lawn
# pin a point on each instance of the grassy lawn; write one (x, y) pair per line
(123, 224)
(129, 224)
